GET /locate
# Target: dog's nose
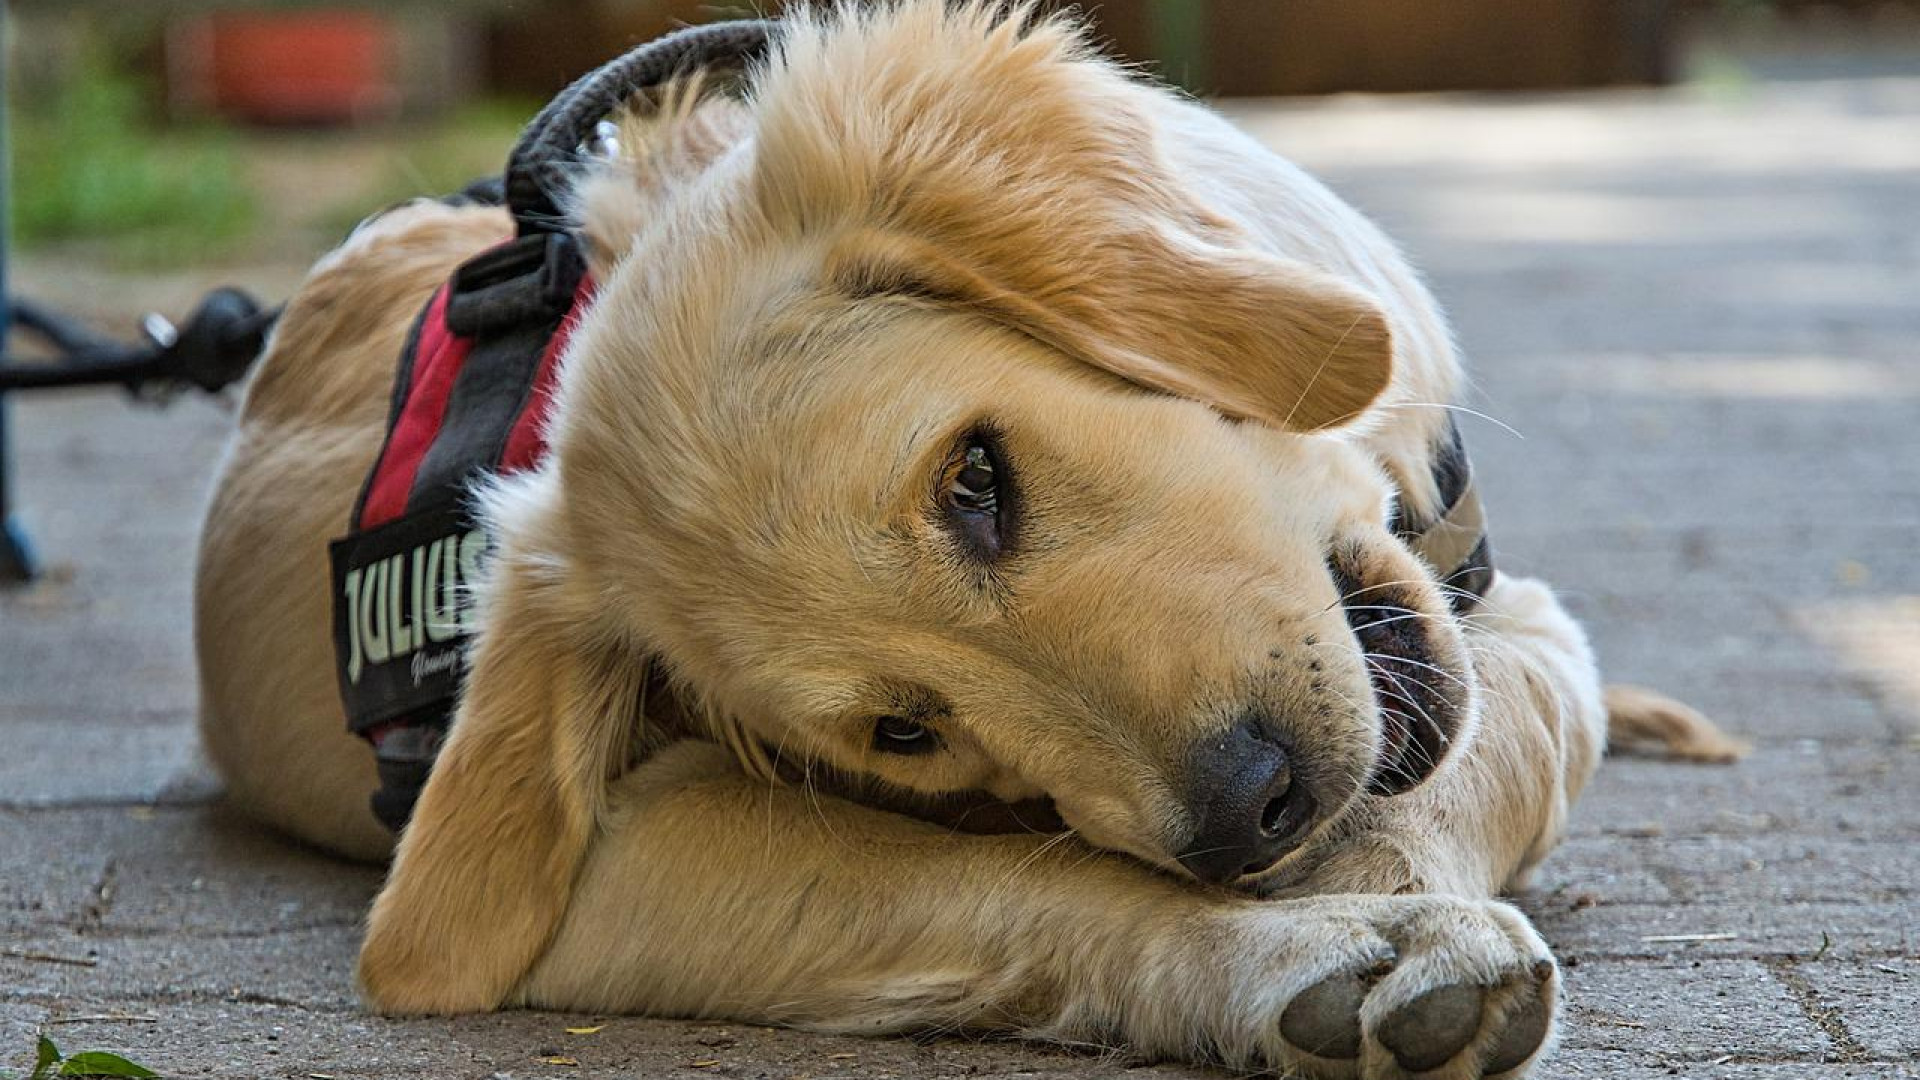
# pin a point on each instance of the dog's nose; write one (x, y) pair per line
(1247, 809)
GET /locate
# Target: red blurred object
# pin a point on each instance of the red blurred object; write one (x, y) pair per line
(309, 66)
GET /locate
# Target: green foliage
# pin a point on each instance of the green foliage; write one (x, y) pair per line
(436, 159)
(49, 1063)
(86, 166)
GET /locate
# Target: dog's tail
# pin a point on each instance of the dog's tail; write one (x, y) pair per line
(1644, 723)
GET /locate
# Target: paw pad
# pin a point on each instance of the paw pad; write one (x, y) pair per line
(1526, 1029)
(1325, 1019)
(1432, 1029)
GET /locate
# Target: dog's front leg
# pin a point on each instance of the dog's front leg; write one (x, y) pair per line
(1498, 805)
(707, 894)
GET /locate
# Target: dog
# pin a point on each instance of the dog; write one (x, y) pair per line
(960, 422)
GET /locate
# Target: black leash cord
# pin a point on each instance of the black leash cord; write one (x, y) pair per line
(543, 162)
(219, 342)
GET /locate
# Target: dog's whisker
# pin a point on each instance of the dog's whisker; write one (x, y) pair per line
(1435, 668)
(1494, 420)
(1470, 648)
(813, 798)
(1403, 613)
(1444, 589)
(1400, 681)
(1399, 615)
(1469, 686)
(1412, 700)
(779, 753)
(1029, 860)
(1332, 351)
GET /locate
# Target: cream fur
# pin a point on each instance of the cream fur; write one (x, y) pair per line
(1206, 368)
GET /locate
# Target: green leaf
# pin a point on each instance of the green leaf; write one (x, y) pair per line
(49, 1056)
(101, 1063)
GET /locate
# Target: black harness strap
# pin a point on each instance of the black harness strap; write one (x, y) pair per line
(1454, 540)
(511, 324)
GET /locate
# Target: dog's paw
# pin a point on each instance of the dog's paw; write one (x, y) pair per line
(1418, 986)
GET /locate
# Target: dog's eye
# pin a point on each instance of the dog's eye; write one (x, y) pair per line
(903, 735)
(979, 495)
(976, 486)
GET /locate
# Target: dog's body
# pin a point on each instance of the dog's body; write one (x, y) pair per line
(596, 838)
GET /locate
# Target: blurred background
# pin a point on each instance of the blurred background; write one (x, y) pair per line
(158, 136)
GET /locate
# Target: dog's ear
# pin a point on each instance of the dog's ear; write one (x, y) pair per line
(485, 869)
(1254, 336)
(1010, 169)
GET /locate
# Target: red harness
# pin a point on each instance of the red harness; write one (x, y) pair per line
(471, 400)
(438, 356)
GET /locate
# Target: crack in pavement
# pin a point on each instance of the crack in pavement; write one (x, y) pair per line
(94, 914)
(188, 997)
(1846, 1049)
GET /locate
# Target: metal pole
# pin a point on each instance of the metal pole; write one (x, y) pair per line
(16, 555)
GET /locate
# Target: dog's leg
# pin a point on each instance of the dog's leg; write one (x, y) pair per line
(1498, 805)
(707, 894)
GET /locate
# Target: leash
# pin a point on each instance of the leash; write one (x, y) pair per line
(219, 342)
(545, 162)
(221, 339)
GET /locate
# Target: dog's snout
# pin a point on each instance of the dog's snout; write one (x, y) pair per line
(1248, 809)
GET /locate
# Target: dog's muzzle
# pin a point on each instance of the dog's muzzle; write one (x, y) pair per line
(1249, 807)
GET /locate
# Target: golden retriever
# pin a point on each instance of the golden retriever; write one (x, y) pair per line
(965, 420)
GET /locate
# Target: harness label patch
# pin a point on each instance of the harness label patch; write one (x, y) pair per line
(402, 611)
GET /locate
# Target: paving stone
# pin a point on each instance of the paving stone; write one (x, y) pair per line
(64, 763)
(252, 1040)
(1762, 706)
(1651, 1065)
(43, 884)
(1808, 787)
(313, 968)
(1782, 868)
(1711, 929)
(1878, 1002)
(1704, 1011)
(1586, 871)
(20, 1025)
(186, 871)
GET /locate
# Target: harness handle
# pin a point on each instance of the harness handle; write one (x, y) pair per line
(548, 153)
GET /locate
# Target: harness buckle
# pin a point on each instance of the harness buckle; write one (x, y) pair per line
(530, 279)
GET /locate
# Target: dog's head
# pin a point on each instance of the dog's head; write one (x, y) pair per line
(933, 431)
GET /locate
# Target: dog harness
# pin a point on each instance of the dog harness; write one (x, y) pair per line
(470, 401)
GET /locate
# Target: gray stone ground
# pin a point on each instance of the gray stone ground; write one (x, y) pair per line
(1700, 313)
